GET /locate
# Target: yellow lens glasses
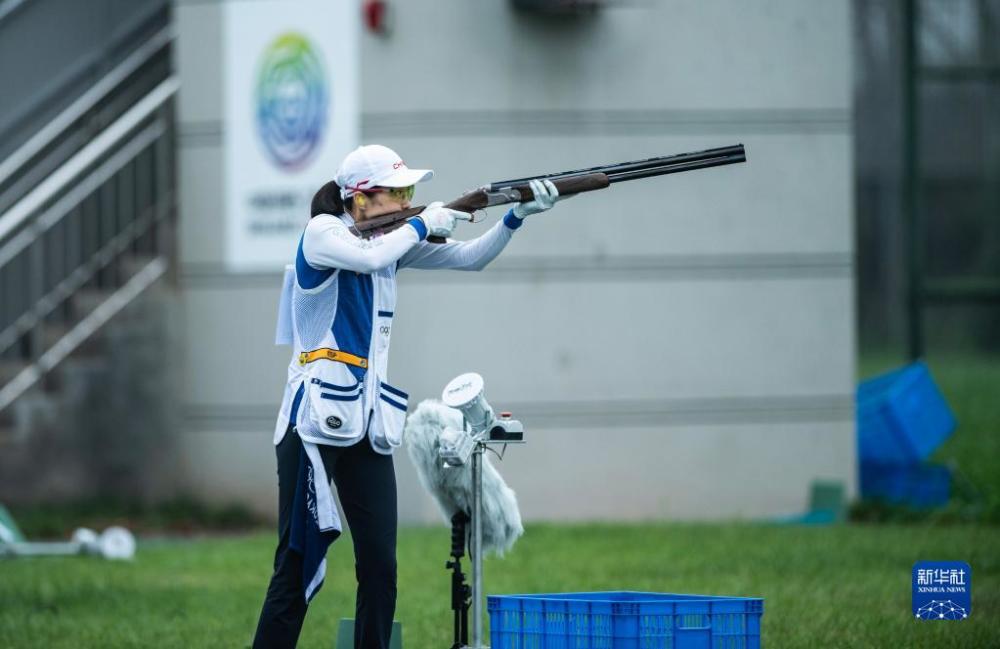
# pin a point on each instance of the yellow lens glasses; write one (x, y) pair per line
(400, 194)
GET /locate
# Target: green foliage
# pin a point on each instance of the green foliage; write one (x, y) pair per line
(839, 586)
(179, 515)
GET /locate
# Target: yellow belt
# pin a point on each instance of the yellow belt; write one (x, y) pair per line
(327, 354)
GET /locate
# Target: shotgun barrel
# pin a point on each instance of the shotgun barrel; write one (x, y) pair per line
(646, 168)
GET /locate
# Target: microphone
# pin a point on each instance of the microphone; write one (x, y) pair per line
(440, 439)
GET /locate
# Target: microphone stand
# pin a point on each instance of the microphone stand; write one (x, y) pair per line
(476, 545)
(481, 427)
(460, 591)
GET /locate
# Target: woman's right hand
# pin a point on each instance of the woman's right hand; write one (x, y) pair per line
(440, 220)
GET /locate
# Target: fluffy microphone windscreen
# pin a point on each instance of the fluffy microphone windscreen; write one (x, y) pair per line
(452, 486)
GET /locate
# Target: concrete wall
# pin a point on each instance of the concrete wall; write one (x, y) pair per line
(678, 347)
(99, 425)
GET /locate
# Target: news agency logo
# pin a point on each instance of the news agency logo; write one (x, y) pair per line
(291, 101)
(942, 590)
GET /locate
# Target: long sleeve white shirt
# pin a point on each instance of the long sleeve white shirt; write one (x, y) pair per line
(328, 243)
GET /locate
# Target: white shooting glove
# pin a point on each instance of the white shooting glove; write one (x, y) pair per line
(546, 196)
(440, 220)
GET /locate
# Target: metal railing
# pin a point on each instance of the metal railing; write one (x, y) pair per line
(90, 236)
(981, 65)
(8, 7)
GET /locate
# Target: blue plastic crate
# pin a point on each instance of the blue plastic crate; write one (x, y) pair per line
(902, 417)
(624, 620)
(919, 485)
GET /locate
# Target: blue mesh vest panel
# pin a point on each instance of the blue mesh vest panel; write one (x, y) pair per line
(352, 326)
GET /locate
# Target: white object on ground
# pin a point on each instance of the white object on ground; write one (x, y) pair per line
(117, 543)
(88, 540)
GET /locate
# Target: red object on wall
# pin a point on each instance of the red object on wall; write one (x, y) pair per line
(376, 14)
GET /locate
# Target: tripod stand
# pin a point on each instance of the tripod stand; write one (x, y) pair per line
(480, 428)
(460, 591)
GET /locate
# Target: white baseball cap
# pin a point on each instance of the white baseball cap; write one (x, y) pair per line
(374, 165)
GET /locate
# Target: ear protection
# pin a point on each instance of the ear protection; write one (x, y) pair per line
(360, 199)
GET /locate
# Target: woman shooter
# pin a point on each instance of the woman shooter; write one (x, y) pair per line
(340, 418)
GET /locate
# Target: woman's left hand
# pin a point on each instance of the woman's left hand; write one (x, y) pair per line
(545, 197)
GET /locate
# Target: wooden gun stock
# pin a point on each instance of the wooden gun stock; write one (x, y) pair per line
(479, 199)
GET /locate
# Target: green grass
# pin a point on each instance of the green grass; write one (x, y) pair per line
(843, 586)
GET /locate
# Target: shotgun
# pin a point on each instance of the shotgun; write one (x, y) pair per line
(567, 182)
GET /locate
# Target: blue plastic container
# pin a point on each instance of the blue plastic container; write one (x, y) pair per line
(902, 417)
(918, 485)
(624, 620)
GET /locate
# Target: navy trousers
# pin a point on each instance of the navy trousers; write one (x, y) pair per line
(366, 486)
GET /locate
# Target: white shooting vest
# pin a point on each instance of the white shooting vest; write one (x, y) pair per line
(333, 402)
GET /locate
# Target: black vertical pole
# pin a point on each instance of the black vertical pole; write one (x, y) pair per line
(911, 182)
(989, 58)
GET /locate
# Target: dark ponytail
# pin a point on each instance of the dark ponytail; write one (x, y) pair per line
(328, 201)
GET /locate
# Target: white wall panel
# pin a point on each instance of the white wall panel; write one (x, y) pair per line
(743, 471)
(198, 60)
(642, 340)
(230, 346)
(677, 347)
(690, 54)
(791, 195)
(200, 231)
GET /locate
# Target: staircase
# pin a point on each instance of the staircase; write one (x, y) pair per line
(87, 204)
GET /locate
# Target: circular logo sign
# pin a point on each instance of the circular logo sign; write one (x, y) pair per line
(292, 98)
(334, 422)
